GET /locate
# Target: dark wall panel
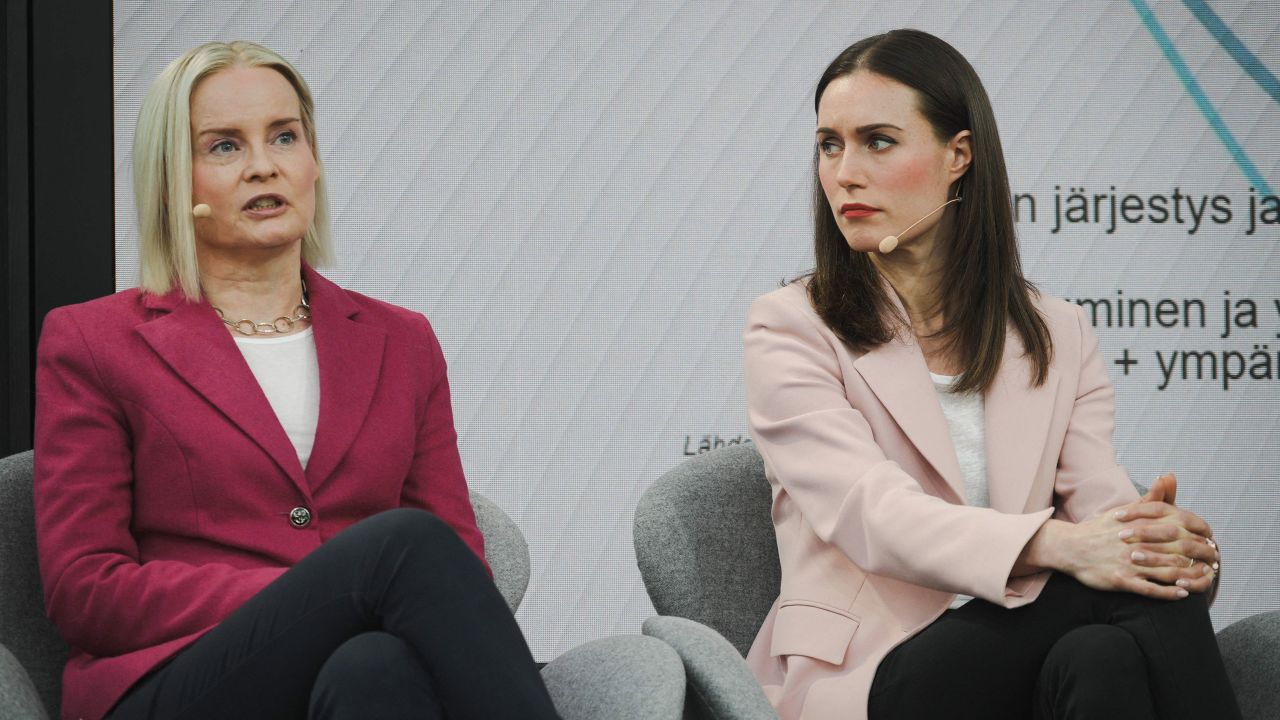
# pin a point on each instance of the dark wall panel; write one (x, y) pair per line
(58, 216)
(15, 238)
(72, 153)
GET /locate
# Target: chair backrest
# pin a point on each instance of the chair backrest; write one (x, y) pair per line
(27, 633)
(24, 628)
(705, 544)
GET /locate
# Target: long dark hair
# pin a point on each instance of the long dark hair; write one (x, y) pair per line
(982, 284)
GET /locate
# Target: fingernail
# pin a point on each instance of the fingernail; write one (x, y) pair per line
(1207, 569)
(1126, 534)
(1181, 593)
(1183, 583)
(1138, 556)
(1121, 513)
(1214, 566)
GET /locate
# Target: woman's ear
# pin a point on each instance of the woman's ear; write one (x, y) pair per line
(959, 154)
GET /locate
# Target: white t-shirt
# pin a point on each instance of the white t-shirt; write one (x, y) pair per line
(289, 374)
(966, 421)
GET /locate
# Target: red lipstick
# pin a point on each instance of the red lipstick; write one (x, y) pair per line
(857, 210)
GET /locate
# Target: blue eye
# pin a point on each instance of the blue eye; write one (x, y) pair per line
(828, 147)
(879, 142)
(288, 137)
(223, 147)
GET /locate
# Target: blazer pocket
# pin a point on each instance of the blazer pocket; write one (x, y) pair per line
(812, 629)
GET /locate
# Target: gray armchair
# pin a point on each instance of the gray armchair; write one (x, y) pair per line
(707, 552)
(618, 677)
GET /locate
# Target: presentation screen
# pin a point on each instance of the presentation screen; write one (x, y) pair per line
(585, 197)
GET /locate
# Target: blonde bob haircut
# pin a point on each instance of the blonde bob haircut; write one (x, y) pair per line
(162, 166)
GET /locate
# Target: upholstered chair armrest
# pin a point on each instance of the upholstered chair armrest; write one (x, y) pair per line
(1251, 651)
(505, 549)
(719, 685)
(625, 677)
(18, 698)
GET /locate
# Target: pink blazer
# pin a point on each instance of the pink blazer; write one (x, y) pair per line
(874, 533)
(164, 482)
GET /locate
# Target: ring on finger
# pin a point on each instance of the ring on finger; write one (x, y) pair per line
(1190, 562)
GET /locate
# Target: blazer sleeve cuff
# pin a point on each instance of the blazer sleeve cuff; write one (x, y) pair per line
(1000, 588)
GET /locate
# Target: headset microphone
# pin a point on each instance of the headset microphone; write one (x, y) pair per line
(890, 242)
(202, 211)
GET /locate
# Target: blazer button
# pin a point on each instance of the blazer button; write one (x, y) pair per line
(300, 517)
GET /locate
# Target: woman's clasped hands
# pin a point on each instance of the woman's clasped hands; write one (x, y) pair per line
(1177, 544)
(1150, 547)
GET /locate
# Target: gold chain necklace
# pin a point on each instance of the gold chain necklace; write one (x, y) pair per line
(279, 326)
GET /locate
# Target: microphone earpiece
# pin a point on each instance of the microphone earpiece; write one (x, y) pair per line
(890, 242)
(202, 211)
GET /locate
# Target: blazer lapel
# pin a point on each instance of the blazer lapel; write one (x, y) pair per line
(1018, 416)
(897, 374)
(196, 345)
(350, 358)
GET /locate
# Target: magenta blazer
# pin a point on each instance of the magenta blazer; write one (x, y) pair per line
(165, 488)
(874, 533)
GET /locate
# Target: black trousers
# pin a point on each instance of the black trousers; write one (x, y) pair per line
(394, 617)
(1073, 653)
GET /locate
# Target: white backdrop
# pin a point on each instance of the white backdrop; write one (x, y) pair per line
(585, 196)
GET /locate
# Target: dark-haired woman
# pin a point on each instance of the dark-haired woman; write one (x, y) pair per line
(956, 537)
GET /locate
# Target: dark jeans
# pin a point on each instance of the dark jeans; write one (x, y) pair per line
(394, 617)
(1073, 653)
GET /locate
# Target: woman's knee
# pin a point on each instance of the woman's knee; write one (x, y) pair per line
(1094, 669)
(372, 654)
(1097, 648)
(373, 671)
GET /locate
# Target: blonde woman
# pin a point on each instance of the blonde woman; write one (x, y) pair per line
(248, 491)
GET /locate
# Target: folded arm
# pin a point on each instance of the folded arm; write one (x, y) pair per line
(823, 452)
(1147, 550)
